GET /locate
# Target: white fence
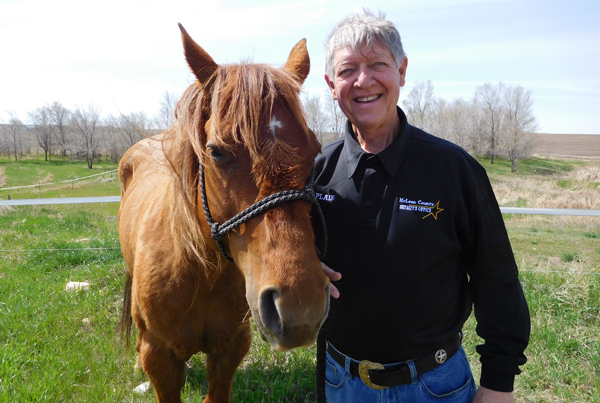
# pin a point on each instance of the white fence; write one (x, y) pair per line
(116, 199)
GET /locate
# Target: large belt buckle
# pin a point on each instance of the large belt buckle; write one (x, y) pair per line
(363, 370)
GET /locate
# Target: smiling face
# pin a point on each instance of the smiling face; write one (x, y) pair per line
(367, 87)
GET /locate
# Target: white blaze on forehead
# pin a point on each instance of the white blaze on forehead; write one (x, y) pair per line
(274, 125)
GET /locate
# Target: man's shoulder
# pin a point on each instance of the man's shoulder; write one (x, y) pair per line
(444, 152)
(431, 141)
(332, 146)
(330, 149)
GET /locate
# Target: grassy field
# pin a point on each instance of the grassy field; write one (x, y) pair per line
(58, 346)
(56, 178)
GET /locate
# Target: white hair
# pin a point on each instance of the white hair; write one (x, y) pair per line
(356, 31)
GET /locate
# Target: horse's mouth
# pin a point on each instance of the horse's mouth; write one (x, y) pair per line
(287, 340)
(265, 334)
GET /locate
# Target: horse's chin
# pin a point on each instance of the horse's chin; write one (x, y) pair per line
(266, 335)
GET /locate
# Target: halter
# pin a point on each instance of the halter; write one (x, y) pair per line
(218, 231)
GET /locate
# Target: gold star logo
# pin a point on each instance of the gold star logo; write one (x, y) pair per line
(435, 210)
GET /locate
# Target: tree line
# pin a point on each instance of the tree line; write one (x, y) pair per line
(81, 133)
(497, 121)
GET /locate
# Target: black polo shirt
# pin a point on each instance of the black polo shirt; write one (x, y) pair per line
(418, 236)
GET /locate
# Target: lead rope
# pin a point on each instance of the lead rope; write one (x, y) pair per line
(218, 231)
(320, 371)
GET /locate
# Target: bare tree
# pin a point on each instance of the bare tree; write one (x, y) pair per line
(13, 130)
(337, 119)
(490, 98)
(316, 118)
(460, 121)
(61, 131)
(437, 121)
(134, 127)
(86, 122)
(111, 137)
(520, 124)
(40, 120)
(166, 113)
(419, 104)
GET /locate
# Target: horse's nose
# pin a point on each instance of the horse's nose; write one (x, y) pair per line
(291, 321)
(269, 311)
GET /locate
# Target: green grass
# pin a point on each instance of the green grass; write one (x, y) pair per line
(531, 166)
(33, 171)
(63, 347)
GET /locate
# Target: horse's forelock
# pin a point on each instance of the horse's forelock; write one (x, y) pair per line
(244, 97)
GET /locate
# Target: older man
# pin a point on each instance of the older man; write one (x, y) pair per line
(416, 239)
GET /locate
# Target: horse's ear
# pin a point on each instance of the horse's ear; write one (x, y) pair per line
(298, 62)
(203, 66)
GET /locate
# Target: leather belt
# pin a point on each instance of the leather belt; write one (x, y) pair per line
(376, 376)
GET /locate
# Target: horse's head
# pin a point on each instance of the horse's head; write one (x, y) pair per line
(252, 141)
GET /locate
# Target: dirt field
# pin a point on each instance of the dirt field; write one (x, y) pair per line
(567, 145)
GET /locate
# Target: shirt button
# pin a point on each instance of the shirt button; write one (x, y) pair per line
(369, 203)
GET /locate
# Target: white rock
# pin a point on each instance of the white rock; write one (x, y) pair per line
(77, 286)
(143, 388)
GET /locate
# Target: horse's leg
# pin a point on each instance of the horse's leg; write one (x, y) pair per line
(163, 367)
(221, 366)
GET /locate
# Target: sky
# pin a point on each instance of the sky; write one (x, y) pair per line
(122, 55)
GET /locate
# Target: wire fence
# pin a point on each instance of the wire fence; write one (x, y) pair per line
(57, 183)
(116, 199)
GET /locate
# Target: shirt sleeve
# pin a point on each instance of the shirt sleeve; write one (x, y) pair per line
(503, 322)
(500, 307)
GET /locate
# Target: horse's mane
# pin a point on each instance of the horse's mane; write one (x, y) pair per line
(236, 98)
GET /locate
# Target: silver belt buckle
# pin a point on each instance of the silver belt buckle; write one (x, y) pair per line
(363, 370)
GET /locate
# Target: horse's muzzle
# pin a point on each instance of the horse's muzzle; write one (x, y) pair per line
(288, 323)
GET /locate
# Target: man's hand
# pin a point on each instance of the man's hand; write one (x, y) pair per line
(485, 395)
(333, 276)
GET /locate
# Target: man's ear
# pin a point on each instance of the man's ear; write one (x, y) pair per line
(331, 87)
(403, 67)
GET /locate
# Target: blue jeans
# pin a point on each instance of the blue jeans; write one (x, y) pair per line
(451, 382)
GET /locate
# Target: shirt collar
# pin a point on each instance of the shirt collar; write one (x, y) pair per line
(391, 157)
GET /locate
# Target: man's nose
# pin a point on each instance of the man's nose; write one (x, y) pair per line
(364, 76)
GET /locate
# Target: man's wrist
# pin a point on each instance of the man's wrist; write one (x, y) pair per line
(497, 380)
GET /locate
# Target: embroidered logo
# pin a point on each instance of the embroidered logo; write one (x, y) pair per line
(321, 196)
(421, 206)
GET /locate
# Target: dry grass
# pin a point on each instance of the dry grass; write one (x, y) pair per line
(3, 177)
(579, 188)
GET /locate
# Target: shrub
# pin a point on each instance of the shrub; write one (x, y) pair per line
(570, 257)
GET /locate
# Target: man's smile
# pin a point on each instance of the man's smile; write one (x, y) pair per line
(367, 99)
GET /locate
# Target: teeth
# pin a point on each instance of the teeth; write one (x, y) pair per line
(366, 99)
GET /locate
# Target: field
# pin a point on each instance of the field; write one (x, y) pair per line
(60, 346)
(567, 145)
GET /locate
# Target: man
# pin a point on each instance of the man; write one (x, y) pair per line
(416, 238)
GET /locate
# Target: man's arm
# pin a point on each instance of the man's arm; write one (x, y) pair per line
(503, 322)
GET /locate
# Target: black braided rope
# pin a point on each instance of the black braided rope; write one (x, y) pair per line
(218, 231)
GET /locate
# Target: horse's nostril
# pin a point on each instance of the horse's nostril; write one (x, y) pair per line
(269, 312)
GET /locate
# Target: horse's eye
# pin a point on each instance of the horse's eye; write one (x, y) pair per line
(217, 155)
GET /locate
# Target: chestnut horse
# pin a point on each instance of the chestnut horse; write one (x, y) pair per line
(240, 139)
